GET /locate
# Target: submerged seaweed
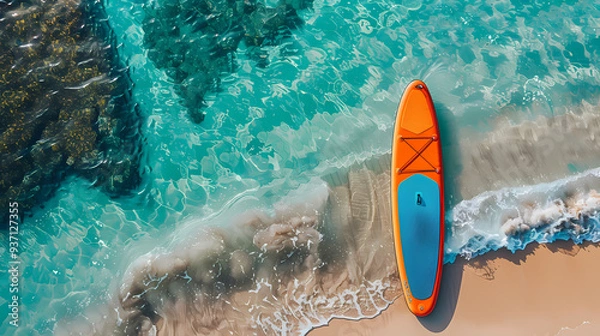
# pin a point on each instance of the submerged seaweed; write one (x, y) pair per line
(194, 40)
(65, 103)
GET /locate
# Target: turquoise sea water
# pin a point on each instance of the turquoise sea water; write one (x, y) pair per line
(325, 101)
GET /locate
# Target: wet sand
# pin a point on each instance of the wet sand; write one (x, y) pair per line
(542, 290)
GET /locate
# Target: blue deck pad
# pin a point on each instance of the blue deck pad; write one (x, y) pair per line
(419, 212)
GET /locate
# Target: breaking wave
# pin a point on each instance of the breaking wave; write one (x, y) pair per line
(566, 209)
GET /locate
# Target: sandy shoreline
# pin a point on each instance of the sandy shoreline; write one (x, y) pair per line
(543, 290)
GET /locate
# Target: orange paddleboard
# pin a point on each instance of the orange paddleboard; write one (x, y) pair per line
(418, 199)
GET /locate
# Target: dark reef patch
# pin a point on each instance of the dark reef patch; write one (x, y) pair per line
(65, 102)
(194, 40)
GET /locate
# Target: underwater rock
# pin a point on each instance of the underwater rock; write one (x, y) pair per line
(65, 102)
(194, 40)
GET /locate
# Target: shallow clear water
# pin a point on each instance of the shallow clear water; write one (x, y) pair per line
(325, 101)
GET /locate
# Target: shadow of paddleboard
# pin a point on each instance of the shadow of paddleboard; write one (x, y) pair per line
(441, 316)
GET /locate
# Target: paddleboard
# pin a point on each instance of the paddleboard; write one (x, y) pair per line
(417, 197)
